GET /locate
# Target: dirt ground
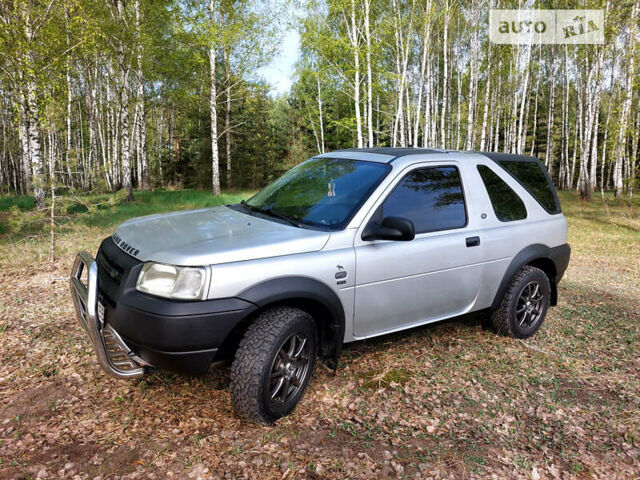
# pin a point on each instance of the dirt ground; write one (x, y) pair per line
(447, 401)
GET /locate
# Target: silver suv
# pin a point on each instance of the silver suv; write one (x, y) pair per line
(346, 246)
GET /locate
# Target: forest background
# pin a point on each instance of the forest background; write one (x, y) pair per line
(147, 94)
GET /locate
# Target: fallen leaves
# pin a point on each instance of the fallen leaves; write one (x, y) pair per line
(451, 401)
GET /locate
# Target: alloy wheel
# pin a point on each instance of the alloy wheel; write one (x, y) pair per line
(289, 369)
(530, 305)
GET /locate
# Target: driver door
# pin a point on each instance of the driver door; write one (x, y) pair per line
(437, 274)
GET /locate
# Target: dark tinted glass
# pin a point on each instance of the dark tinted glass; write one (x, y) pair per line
(532, 177)
(431, 198)
(506, 203)
(323, 192)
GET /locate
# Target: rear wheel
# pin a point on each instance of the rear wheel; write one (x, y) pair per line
(524, 304)
(273, 364)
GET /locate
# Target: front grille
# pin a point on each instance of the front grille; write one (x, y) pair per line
(109, 267)
(114, 268)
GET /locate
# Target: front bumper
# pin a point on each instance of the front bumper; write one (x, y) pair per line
(114, 355)
(134, 330)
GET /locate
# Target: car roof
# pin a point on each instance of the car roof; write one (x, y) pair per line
(389, 154)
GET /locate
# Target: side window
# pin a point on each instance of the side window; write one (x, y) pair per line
(532, 177)
(506, 203)
(430, 197)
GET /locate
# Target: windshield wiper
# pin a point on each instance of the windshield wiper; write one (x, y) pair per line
(246, 205)
(270, 212)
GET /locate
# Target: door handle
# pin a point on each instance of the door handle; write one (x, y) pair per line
(472, 241)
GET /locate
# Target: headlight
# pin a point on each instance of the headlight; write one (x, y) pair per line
(184, 283)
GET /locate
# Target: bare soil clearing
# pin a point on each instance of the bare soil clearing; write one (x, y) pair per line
(446, 401)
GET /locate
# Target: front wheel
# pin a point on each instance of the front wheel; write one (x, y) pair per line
(273, 364)
(524, 304)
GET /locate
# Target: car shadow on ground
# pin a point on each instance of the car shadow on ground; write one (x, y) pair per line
(217, 378)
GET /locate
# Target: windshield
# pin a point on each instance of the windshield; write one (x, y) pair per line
(321, 192)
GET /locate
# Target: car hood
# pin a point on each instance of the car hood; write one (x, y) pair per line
(212, 235)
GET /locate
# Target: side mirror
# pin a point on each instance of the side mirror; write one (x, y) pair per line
(391, 228)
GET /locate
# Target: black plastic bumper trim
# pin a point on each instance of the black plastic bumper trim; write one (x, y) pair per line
(169, 326)
(560, 256)
(190, 362)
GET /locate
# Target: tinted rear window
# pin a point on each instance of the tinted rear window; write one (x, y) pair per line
(506, 203)
(533, 178)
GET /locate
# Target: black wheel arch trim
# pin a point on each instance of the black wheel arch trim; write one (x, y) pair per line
(537, 254)
(292, 289)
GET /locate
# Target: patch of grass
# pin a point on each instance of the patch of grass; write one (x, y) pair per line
(160, 201)
(474, 462)
(375, 379)
(102, 210)
(23, 202)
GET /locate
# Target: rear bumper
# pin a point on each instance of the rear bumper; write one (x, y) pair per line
(179, 336)
(560, 256)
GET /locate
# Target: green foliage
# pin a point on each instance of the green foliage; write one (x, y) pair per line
(24, 222)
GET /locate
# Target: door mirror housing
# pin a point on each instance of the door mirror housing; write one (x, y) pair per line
(391, 228)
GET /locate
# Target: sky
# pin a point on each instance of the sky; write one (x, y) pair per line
(279, 72)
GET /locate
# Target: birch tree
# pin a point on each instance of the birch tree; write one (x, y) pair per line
(620, 152)
(213, 97)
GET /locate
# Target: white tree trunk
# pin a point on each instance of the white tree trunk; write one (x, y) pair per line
(564, 159)
(68, 139)
(426, 133)
(604, 146)
(535, 117)
(52, 210)
(215, 160)
(626, 110)
(353, 35)
(369, 112)
(426, 34)
(322, 120)
(634, 155)
(458, 104)
(524, 102)
(485, 113)
(33, 136)
(473, 85)
(445, 77)
(548, 160)
(31, 126)
(125, 152)
(227, 118)
(144, 177)
(25, 154)
(572, 172)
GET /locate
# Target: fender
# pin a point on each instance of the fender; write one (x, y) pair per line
(306, 291)
(558, 256)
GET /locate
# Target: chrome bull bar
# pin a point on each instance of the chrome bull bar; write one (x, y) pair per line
(114, 356)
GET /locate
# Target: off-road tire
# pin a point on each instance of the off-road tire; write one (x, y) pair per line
(255, 356)
(503, 319)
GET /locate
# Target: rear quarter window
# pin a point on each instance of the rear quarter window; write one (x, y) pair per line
(532, 177)
(506, 203)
